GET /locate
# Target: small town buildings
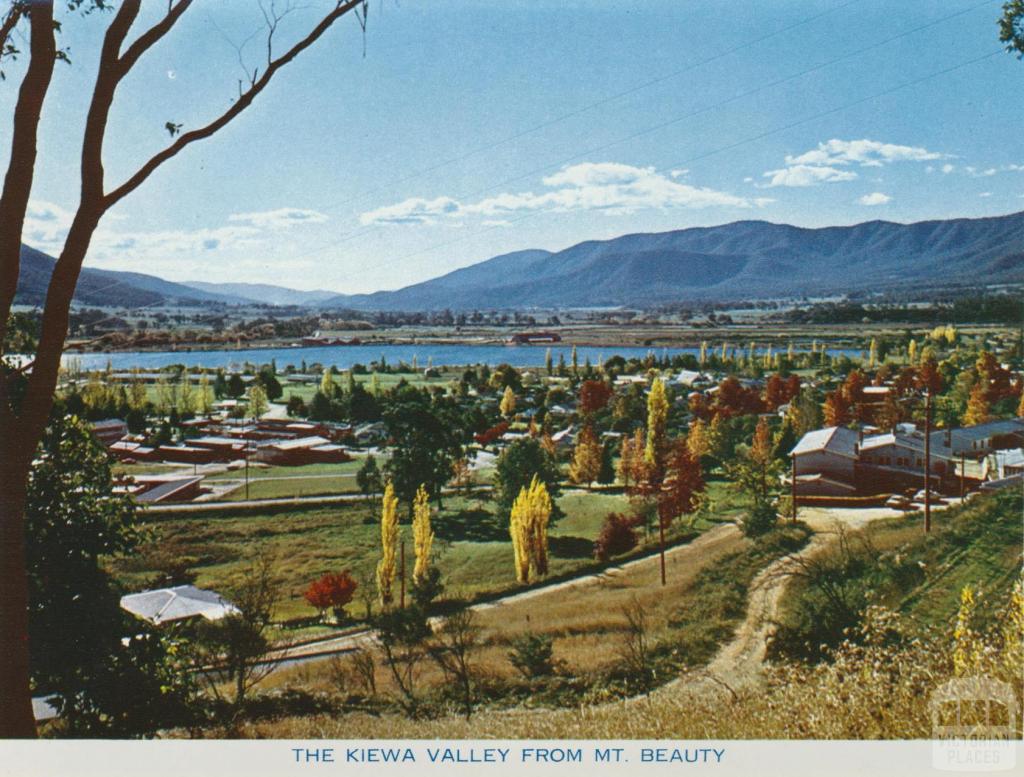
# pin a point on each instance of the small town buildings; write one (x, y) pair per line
(156, 489)
(532, 338)
(829, 452)
(301, 451)
(109, 431)
(836, 459)
(178, 603)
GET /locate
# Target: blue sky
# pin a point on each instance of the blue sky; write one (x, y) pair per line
(476, 127)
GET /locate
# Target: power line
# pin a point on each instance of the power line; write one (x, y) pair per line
(355, 234)
(731, 146)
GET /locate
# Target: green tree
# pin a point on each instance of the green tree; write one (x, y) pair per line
(516, 467)
(368, 478)
(257, 401)
(425, 444)
(1011, 27)
(111, 675)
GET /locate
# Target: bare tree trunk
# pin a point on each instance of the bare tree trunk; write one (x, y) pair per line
(21, 427)
(16, 718)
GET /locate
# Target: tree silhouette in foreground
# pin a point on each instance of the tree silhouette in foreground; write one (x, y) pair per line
(26, 395)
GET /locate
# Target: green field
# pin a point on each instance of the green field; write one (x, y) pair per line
(472, 547)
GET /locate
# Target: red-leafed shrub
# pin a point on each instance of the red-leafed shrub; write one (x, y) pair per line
(331, 592)
(617, 536)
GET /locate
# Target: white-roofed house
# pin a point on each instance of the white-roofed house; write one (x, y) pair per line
(831, 452)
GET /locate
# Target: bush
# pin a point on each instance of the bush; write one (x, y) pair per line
(617, 536)
(532, 655)
(760, 520)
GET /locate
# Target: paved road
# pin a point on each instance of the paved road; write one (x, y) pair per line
(289, 501)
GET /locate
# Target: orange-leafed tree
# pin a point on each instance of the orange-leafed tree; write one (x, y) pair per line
(836, 409)
(594, 396)
(979, 410)
(775, 393)
(331, 592)
(684, 483)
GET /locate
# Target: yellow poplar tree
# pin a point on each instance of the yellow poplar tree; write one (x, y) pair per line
(873, 353)
(528, 528)
(519, 530)
(1020, 406)
(422, 535)
(657, 416)
(327, 382)
(912, 352)
(205, 395)
(387, 568)
(540, 504)
(508, 402)
(586, 458)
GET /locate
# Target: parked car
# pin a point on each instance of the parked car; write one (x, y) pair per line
(898, 502)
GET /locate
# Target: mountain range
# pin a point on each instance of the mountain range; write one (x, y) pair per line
(741, 260)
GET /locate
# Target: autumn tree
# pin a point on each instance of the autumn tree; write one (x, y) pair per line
(332, 591)
(979, 410)
(775, 393)
(587, 457)
(594, 395)
(508, 402)
(27, 396)
(837, 411)
(387, 567)
(528, 527)
(684, 483)
(617, 536)
(422, 535)
(257, 401)
(657, 418)
(630, 450)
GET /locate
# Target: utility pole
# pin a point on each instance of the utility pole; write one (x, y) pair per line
(963, 485)
(401, 575)
(927, 460)
(661, 537)
(792, 488)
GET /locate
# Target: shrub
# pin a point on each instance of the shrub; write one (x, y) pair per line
(761, 519)
(617, 536)
(332, 591)
(532, 655)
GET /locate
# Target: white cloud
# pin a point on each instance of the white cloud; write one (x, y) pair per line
(988, 172)
(875, 198)
(826, 163)
(281, 218)
(415, 210)
(46, 227)
(866, 153)
(985, 194)
(608, 186)
(807, 175)
(948, 168)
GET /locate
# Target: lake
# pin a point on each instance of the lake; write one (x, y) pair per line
(344, 356)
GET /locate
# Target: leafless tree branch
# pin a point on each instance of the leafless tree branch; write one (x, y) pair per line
(187, 138)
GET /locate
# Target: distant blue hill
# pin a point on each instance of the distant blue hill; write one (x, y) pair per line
(107, 288)
(742, 260)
